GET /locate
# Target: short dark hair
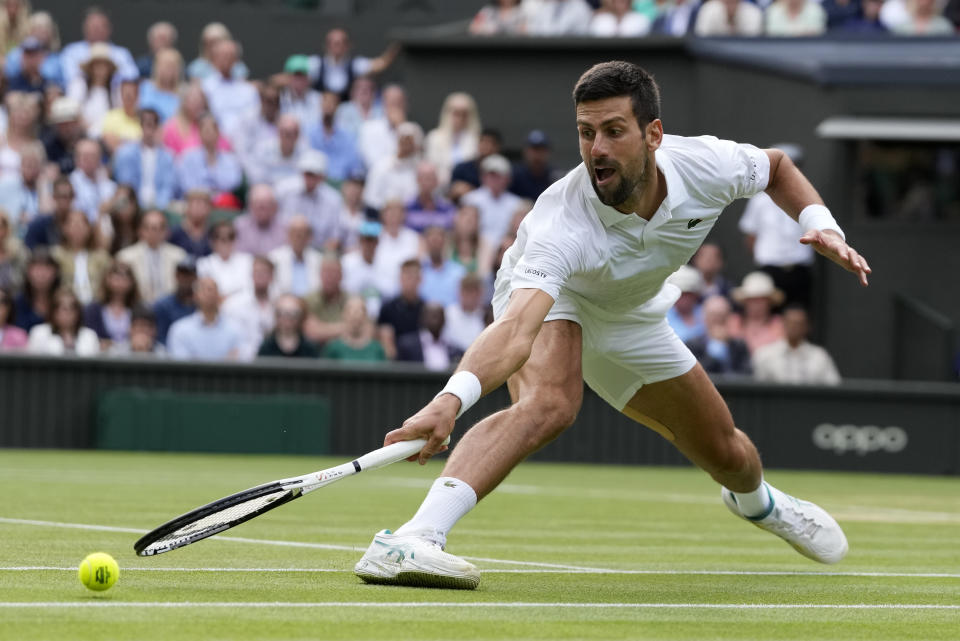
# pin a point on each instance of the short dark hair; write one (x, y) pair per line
(490, 132)
(618, 78)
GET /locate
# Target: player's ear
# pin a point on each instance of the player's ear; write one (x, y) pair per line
(653, 134)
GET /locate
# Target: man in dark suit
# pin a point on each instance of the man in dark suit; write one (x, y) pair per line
(427, 345)
(717, 351)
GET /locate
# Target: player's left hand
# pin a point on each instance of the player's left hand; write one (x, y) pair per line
(829, 243)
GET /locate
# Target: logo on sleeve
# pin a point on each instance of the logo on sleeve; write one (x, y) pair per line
(535, 272)
(693, 223)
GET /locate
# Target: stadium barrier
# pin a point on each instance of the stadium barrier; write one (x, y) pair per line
(343, 409)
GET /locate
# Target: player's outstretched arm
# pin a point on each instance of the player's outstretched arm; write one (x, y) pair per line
(794, 194)
(499, 351)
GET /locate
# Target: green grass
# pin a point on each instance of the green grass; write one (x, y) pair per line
(668, 523)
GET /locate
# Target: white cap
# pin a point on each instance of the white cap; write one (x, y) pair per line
(64, 109)
(495, 163)
(313, 162)
(688, 279)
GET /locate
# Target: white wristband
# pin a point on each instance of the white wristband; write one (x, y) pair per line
(819, 218)
(465, 386)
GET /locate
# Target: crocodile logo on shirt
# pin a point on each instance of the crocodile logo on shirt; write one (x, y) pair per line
(693, 223)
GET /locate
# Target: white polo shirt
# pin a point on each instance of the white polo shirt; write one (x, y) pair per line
(610, 263)
(777, 235)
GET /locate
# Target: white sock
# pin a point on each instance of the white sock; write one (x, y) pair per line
(755, 503)
(447, 502)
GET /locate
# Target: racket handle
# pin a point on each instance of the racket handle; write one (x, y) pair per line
(391, 453)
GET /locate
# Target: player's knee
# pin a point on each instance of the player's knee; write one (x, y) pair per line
(547, 415)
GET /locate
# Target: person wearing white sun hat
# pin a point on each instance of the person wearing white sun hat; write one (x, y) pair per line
(758, 297)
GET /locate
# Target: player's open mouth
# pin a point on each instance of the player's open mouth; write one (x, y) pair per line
(603, 174)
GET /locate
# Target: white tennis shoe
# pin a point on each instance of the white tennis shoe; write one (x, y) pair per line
(805, 526)
(414, 560)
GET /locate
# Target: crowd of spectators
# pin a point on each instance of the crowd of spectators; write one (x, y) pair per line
(775, 18)
(186, 210)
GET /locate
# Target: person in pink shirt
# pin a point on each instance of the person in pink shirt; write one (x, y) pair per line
(182, 131)
(11, 336)
(759, 325)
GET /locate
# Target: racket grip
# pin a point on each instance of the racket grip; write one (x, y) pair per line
(391, 453)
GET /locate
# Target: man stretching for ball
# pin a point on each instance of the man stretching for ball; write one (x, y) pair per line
(581, 296)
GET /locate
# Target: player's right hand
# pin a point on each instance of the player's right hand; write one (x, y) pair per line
(434, 423)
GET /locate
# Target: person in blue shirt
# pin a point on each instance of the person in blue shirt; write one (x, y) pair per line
(866, 21)
(441, 276)
(335, 142)
(42, 27)
(171, 308)
(206, 334)
(30, 78)
(146, 165)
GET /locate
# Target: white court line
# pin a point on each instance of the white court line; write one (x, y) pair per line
(901, 575)
(544, 568)
(479, 604)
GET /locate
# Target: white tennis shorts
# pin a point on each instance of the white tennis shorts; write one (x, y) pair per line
(621, 352)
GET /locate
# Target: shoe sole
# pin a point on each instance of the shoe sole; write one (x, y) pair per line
(423, 580)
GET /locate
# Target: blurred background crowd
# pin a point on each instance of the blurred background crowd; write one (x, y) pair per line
(165, 207)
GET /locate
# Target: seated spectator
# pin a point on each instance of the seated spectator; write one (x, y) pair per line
(337, 69)
(398, 244)
(309, 195)
(111, 313)
(717, 350)
(287, 338)
(229, 268)
(952, 12)
(466, 175)
(363, 106)
(617, 18)
(161, 36)
(469, 248)
(297, 99)
(792, 359)
(191, 235)
(206, 334)
(758, 296)
(465, 317)
(729, 18)
(152, 259)
(924, 19)
(21, 129)
(35, 302)
(456, 136)
(256, 130)
(122, 124)
(709, 261)
(324, 320)
(428, 346)
(252, 310)
(795, 18)
(65, 131)
(23, 193)
(91, 182)
(230, 99)
(429, 208)
(867, 21)
(558, 18)
(338, 145)
(13, 256)
(11, 337)
(357, 342)
(401, 315)
(30, 78)
(143, 336)
(360, 276)
(678, 19)
(161, 91)
(395, 177)
(13, 23)
(41, 27)
(260, 230)
(179, 304)
(840, 11)
(202, 66)
(499, 17)
(182, 132)
(277, 158)
(208, 166)
(353, 213)
(92, 89)
(146, 165)
(686, 315)
(441, 275)
(120, 228)
(82, 265)
(64, 333)
(494, 203)
(533, 175)
(97, 30)
(44, 230)
(378, 137)
(297, 263)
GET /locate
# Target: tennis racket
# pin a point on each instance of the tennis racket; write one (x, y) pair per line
(238, 508)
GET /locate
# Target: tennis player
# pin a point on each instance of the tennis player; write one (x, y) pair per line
(582, 296)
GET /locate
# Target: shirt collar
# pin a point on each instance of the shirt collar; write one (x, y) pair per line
(676, 191)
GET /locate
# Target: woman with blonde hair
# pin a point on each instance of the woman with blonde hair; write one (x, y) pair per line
(24, 113)
(14, 23)
(456, 136)
(182, 131)
(41, 26)
(13, 256)
(201, 66)
(161, 92)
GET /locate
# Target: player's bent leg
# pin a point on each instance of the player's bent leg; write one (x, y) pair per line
(546, 393)
(691, 411)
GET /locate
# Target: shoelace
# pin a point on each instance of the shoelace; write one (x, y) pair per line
(798, 521)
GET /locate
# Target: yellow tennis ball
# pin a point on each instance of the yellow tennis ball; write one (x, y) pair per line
(99, 571)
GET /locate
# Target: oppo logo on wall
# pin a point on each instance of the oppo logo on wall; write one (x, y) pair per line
(860, 439)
